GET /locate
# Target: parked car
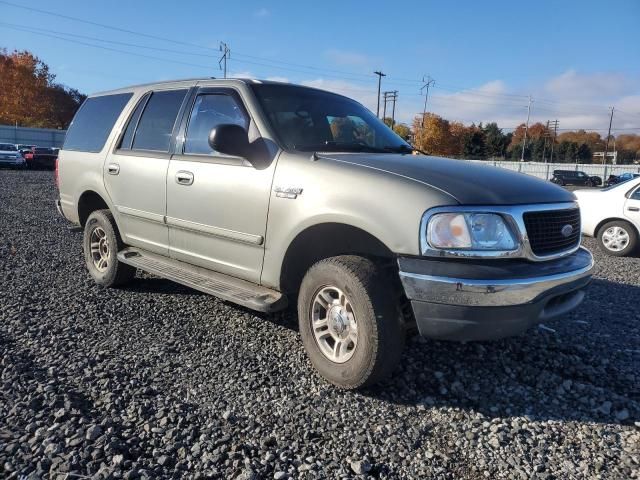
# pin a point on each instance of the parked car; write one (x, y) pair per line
(612, 215)
(10, 156)
(269, 194)
(41, 157)
(575, 177)
(624, 177)
(25, 148)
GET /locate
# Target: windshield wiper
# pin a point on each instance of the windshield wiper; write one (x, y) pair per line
(403, 149)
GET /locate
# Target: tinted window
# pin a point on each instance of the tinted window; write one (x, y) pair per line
(8, 147)
(156, 124)
(208, 112)
(93, 122)
(127, 138)
(636, 194)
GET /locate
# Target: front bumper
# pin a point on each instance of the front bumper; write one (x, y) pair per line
(464, 300)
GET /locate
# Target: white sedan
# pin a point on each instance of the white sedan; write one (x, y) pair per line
(612, 215)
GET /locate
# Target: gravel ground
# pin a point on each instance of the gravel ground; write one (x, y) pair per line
(158, 381)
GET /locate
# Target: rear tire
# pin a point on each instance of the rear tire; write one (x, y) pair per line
(617, 238)
(350, 322)
(102, 243)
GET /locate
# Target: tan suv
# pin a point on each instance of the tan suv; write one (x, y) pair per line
(268, 194)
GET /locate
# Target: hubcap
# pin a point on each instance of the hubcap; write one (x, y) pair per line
(99, 249)
(615, 239)
(334, 324)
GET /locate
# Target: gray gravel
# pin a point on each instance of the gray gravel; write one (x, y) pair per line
(158, 381)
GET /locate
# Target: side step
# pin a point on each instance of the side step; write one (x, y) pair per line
(220, 285)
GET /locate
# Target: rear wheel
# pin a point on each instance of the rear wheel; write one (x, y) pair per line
(101, 245)
(617, 238)
(350, 321)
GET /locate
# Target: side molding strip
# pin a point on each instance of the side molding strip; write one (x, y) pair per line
(215, 231)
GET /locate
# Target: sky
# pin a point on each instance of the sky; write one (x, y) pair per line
(576, 59)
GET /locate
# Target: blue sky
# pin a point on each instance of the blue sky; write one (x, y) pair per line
(576, 58)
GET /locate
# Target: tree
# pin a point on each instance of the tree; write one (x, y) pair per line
(402, 130)
(495, 141)
(474, 144)
(432, 137)
(30, 97)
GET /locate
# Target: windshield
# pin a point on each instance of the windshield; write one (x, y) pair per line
(310, 120)
(8, 147)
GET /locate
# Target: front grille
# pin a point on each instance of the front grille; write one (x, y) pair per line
(544, 230)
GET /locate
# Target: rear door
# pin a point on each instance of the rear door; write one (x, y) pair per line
(135, 173)
(217, 204)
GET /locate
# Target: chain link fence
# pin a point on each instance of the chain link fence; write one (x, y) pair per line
(42, 137)
(545, 170)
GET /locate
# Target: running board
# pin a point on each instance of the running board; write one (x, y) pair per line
(220, 285)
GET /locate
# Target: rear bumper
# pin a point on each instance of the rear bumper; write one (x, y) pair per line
(491, 300)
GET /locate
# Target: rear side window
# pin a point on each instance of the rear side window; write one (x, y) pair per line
(157, 121)
(94, 121)
(127, 138)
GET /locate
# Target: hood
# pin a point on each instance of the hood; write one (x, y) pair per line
(471, 183)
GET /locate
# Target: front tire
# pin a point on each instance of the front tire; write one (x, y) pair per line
(617, 238)
(350, 322)
(101, 245)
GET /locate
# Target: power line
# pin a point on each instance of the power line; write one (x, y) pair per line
(35, 32)
(97, 39)
(89, 22)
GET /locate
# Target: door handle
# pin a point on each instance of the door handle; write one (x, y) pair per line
(184, 178)
(113, 169)
(633, 209)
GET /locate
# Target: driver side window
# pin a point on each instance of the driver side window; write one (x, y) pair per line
(635, 195)
(209, 111)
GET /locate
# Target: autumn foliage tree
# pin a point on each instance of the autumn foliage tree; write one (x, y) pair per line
(29, 95)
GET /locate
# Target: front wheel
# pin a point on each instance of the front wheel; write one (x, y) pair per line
(349, 321)
(617, 238)
(101, 245)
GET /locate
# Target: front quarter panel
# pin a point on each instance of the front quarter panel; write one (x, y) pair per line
(385, 205)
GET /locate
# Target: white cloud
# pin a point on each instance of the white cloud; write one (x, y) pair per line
(343, 57)
(262, 12)
(572, 84)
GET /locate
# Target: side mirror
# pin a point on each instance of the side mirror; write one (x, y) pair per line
(231, 140)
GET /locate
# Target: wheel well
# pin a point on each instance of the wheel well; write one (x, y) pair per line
(613, 219)
(323, 241)
(89, 202)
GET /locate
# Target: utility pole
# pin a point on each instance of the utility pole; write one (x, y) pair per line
(426, 84)
(544, 145)
(526, 128)
(390, 96)
(393, 111)
(226, 54)
(606, 146)
(380, 75)
(554, 124)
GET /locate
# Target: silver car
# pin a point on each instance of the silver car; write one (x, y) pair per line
(10, 156)
(273, 196)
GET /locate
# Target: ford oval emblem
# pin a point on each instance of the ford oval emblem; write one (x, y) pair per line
(566, 230)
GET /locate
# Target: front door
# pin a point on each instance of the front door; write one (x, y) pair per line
(136, 173)
(632, 207)
(217, 204)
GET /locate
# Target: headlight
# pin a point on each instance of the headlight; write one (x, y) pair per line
(472, 231)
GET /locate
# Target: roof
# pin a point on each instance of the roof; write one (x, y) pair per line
(187, 82)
